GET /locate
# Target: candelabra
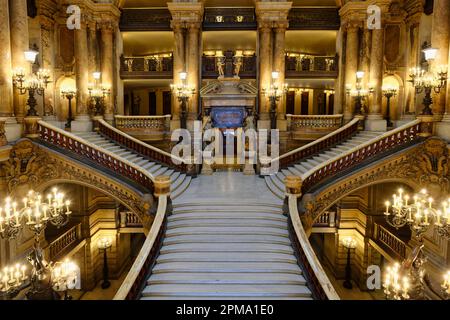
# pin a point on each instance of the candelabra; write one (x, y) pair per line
(64, 277)
(359, 92)
(69, 94)
(98, 92)
(34, 84)
(419, 213)
(428, 81)
(389, 92)
(396, 285)
(12, 279)
(36, 214)
(349, 243)
(104, 244)
(183, 92)
(274, 92)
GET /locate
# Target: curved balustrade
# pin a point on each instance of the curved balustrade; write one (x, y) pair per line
(319, 145)
(69, 142)
(388, 141)
(140, 147)
(317, 279)
(136, 278)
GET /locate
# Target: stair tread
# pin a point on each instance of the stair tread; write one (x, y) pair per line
(225, 247)
(238, 231)
(225, 257)
(231, 222)
(219, 278)
(227, 267)
(232, 238)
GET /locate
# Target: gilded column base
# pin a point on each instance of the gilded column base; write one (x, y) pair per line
(31, 127)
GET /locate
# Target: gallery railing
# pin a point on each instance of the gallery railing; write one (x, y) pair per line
(310, 66)
(145, 150)
(61, 245)
(146, 128)
(134, 283)
(390, 140)
(148, 67)
(385, 238)
(108, 160)
(313, 126)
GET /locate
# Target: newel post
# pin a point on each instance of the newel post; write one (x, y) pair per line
(293, 188)
(427, 125)
(162, 188)
(31, 127)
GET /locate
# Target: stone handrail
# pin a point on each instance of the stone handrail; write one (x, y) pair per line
(144, 149)
(387, 141)
(390, 240)
(318, 145)
(139, 122)
(70, 142)
(132, 285)
(60, 244)
(314, 272)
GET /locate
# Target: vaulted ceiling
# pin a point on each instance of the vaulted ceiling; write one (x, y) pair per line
(226, 3)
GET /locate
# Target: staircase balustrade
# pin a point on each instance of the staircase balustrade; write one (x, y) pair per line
(71, 143)
(388, 239)
(313, 126)
(401, 136)
(145, 150)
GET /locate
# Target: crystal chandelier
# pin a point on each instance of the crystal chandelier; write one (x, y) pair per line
(419, 213)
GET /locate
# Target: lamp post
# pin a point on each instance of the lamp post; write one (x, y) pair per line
(33, 84)
(359, 92)
(183, 92)
(389, 92)
(274, 92)
(349, 243)
(69, 94)
(36, 213)
(98, 92)
(104, 244)
(427, 80)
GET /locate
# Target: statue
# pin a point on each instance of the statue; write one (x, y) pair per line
(250, 123)
(220, 64)
(237, 66)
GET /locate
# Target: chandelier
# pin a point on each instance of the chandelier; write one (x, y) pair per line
(418, 212)
(183, 91)
(275, 92)
(36, 213)
(359, 92)
(98, 92)
(396, 285)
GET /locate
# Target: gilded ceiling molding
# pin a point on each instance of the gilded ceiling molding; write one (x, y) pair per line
(31, 166)
(424, 166)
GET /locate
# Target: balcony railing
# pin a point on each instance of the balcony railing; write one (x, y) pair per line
(314, 126)
(387, 239)
(308, 66)
(62, 244)
(327, 219)
(146, 128)
(129, 219)
(151, 67)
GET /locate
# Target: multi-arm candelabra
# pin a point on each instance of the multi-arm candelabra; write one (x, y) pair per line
(389, 93)
(427, 81)
(35, 214)
(69, 94)
(359, 92)
(98, 93)
(183, 92)
(275, 92)
(419, 212)
(33, 84)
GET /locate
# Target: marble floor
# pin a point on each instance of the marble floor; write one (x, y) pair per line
(228, 186)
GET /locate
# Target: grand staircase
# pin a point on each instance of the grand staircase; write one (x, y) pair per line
(276, 182)
(227, 246)
(180, 181)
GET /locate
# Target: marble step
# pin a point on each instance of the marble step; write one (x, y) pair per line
(226, 290)
(161, 171)
(182, 187)
(227, 267)
(226, 247)
(226, 257)
(300, 167)
(231, 222)
(236, 210)
(148, 165)
(229, 238)
(227, 231)
(227, 278)
(272, 187)
(247, 217)
(294, 171)
(154, 168)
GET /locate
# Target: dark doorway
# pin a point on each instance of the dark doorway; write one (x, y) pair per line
(331, 104)
(322, 103)
(305, 103)
(290, 102)
(167, 102)
(152, 103)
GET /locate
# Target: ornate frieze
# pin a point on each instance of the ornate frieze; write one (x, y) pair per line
(229, 19)
(314, 19)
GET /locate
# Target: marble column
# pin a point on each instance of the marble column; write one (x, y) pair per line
(339, 84)
(375, 121)
(265, 70)
(351, 66)
(107, 30)
(412, 61)
(93, 53)
(178, 65)
(193, 60)
(440, 36)
(19, 44)
(366, 52)
(279, 63)
(82, 119)
(48, 53)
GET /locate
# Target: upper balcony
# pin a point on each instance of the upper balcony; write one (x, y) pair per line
(300, 66)
(157, 66)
